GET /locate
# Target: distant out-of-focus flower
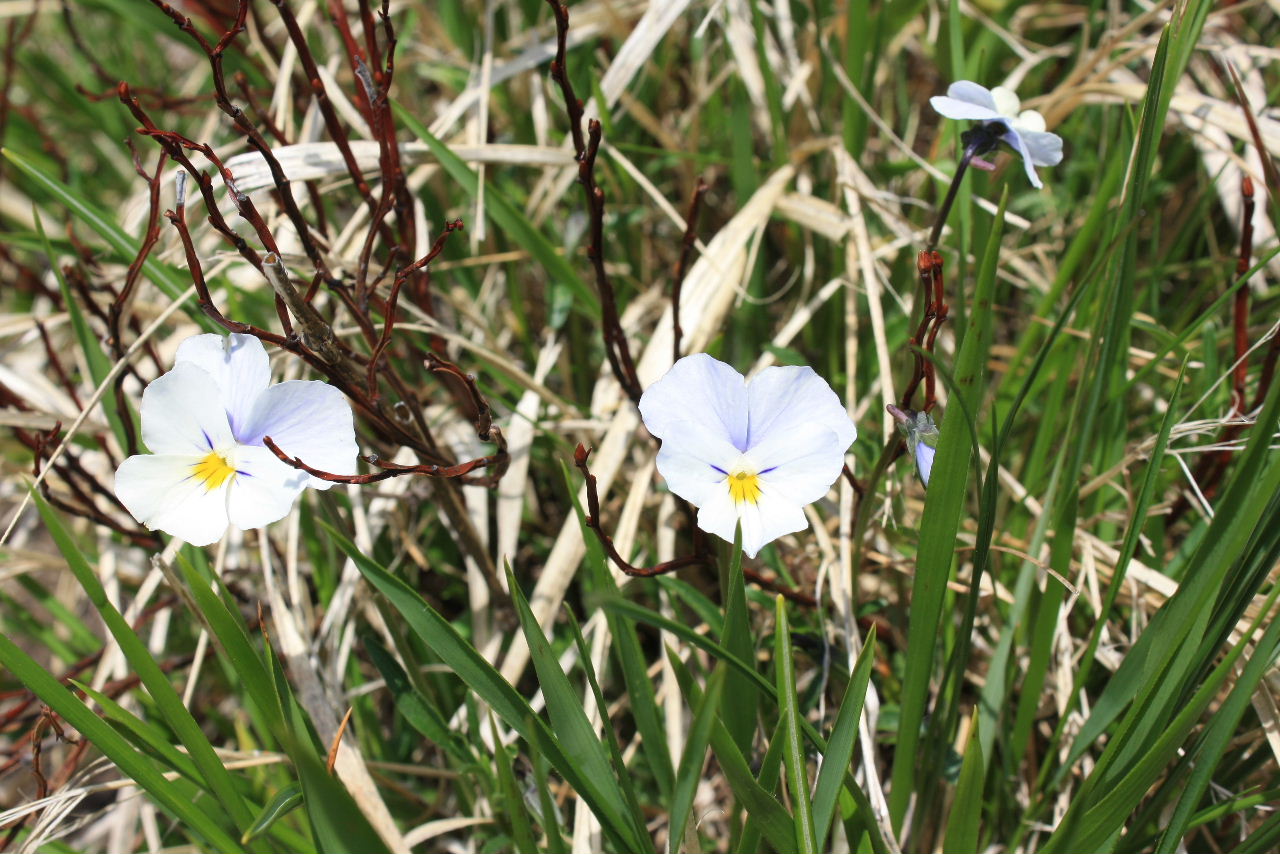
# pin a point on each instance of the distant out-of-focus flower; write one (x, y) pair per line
(753, 452)
(204, 421)
(922, 437)
(1024, 130)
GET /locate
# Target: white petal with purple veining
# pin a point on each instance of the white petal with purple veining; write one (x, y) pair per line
(801, 467)
(695, 463)
(182, 413)
(238, 364)
(264, 489)
(162, 493)
(309, 420)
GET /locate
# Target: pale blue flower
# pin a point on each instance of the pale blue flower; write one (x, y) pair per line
(204, 422)
(1024, 130)
(753, 453)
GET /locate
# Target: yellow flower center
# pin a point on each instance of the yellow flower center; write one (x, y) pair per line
(744, 487)
(213, 471)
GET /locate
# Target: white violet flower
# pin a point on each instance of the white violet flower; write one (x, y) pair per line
(752, 452)
(204, 421)
(1024, 131)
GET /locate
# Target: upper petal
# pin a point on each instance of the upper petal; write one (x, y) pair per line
(264, 489)
(161, 493)
(701, 390)
(972, 93)
(238, 364)
(1007, 103)
(695, 463)
(309, 420)
(954, 108)
(182, 414)
(783, 400)
(1029, 121)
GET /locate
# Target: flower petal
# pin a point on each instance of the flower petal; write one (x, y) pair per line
(238, 364)
(701, 390)
(972, 93)
(309, 420)
(924, 460)
(783, 400)
(264, 489)
(954, 108)
(161, 493)
(1029, 121)
(719, 516)
(1019, 145)
(181, 413)
(798, 467)
(695, 463)
(1006, 101)
(768, 519)
(1045, 148)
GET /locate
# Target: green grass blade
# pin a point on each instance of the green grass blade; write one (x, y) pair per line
(516, 813)
(167, 700)
(965, 818)
(843, 740)
(514, 711)
(740, 703)
(691, 761)
(114, 746)
(610, 737)
(944, 505)
(281, 804)
(795, 760)
(772, 817)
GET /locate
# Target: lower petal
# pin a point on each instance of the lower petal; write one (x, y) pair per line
(719, 516)
(162, 493)
(1017, 144)
(264, 489)
(770, 517)
(1045, 148)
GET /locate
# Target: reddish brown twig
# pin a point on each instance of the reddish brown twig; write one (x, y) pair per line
(580, 456)
(686, 252)
(617, 349)
(1211, 467)
(1241, 309)
(699, 558)
(387, 470)
(933, 297)
(394, 297)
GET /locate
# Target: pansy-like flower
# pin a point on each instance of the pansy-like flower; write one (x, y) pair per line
(204, 421)
(1023, 130)
(922, 437)
(752, 452)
